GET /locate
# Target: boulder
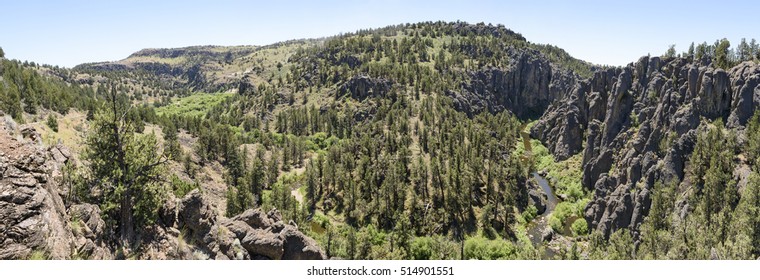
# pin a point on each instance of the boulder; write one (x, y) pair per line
(254, 218)
(298, 246)
(264, 243)
(196, 214)
(547, 235)
(60, 153)
(537, 197)
(88, 217)
(28, 132)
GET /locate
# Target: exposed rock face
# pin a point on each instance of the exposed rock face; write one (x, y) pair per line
(564, 124)
(198, 217)
(33, 219)
(640, 123)
(362, 87)
(745, 87)
(526, 87)
(298, 246)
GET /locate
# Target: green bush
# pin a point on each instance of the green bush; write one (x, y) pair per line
(180, 187)
(530, 213)
(52, 122)
(421, 248)
(556, 224)
(319, 138)
(321, 220)
(483, 249)
(579, 227)
(563, 210)
(37, 255)
(310, 145)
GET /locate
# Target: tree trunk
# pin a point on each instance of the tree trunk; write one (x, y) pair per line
(126, 227)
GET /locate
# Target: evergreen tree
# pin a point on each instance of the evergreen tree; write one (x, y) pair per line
(127, 168)
(722, 53)
(52, 122)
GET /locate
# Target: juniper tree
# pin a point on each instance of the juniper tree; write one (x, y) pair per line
(127, 168)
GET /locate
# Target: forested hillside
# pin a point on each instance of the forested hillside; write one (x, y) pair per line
(432, 140)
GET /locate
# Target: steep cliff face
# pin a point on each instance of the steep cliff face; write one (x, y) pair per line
(526, 87)
(639, 123)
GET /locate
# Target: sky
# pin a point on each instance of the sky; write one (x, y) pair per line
(67, 33)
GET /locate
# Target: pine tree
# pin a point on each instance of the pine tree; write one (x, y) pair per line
(722, 53)
(127, 168)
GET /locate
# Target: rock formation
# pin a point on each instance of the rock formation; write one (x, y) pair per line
(640, 122)
(362, 87)
(36, 221)
(526, 88)
(33, 219)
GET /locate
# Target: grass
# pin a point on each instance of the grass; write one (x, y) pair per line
(71, 130)
(76, 225)
(194, 105)
(38, 255)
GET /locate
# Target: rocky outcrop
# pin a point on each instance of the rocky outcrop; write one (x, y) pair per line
(362, 87)
(640, 121)
(563, 125)
(537, 197)
(246, 87)
(33, 219)
(90, 233)
(200, 221)
(250, 235)
(745, 89)
(526, 87)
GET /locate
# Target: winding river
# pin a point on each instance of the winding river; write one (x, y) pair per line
(539, 224)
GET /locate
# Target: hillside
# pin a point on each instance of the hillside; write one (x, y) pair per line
(432, 140)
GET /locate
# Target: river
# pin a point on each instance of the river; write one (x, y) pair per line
(539, 224)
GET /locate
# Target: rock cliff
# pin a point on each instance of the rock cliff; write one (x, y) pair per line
(526, 87)
(637, 125)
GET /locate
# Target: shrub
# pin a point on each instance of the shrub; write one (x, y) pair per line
(421, 248)
(530, 213)
(579, 227)
(181, 188)
(556, 224)
(483, 249)
(52, 122)
(37, 255)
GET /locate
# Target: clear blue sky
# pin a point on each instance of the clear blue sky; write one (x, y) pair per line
(67, 33)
